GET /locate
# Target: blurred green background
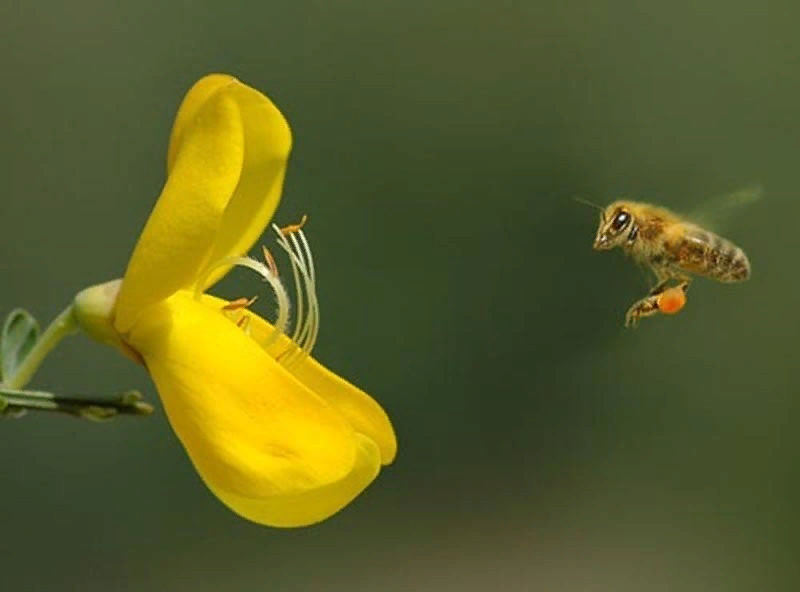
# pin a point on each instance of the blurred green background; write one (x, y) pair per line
(437, 146)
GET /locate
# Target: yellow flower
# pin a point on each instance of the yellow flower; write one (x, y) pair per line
(275, 436)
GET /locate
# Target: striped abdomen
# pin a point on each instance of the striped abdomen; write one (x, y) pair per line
(705, 253)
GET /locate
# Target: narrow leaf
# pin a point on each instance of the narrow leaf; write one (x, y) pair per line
(19, 335)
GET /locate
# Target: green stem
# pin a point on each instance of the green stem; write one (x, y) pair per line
(64, 324)
(14, 401)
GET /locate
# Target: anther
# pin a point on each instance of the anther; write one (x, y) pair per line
(240, 303)
(270, 261)
(292, 228)
(243, 323)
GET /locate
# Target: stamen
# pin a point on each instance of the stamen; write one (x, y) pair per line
(244, 324)
(266, 273)
(297, 286)
(306, 327)
(292, 228)
(240, 303)
(269, 260)
(310, 259)
(306, 330)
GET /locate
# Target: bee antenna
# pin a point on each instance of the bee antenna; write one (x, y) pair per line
(591, 205)
(588, 203)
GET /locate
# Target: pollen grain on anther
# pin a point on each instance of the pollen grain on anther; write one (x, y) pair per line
(240, 303)
(292, 228)
(270, 261)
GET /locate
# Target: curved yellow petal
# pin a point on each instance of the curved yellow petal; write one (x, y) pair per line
(267, 143)
(226, 162)
(362, 411)
(201, 91)
(312, 506)
(176, 241)
(250, 428)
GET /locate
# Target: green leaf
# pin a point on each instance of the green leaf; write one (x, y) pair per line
(19, 335)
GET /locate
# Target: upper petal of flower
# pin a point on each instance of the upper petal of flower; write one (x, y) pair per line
(198, 95)
(268, 142)
(251, 429)
(226, 165)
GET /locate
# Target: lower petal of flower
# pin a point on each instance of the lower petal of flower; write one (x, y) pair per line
(252, 430)
(362, 411)
(309, 507)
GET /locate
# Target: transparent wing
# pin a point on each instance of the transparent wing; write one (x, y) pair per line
(716, 213)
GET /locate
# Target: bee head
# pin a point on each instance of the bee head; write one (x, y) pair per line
(615, 221)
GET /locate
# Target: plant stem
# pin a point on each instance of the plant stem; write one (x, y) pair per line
(13, 401)
(64, 324)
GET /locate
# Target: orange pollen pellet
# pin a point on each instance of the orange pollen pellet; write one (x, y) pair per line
(671, 301)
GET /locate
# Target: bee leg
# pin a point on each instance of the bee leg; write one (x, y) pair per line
(659, 287)
(649, 305)
(645, 307)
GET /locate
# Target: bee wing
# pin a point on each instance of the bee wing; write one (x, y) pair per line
(716, 212)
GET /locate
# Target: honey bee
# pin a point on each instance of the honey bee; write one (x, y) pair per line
(673, 248)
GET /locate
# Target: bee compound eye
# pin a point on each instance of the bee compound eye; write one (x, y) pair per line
(621, 220)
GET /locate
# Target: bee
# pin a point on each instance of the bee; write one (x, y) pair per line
(674, 248)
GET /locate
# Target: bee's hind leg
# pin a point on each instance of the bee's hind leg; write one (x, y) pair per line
(646, 307)
(664, 276)
(659, 287)
(651, 304)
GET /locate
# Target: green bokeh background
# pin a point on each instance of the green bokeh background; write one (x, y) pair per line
(437, 145)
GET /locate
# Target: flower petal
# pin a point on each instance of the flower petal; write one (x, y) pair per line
(250, 428)
(178, 236)
(268, 142)
(226, 163)
(198, 95)
(312, 506)
(362, 411)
